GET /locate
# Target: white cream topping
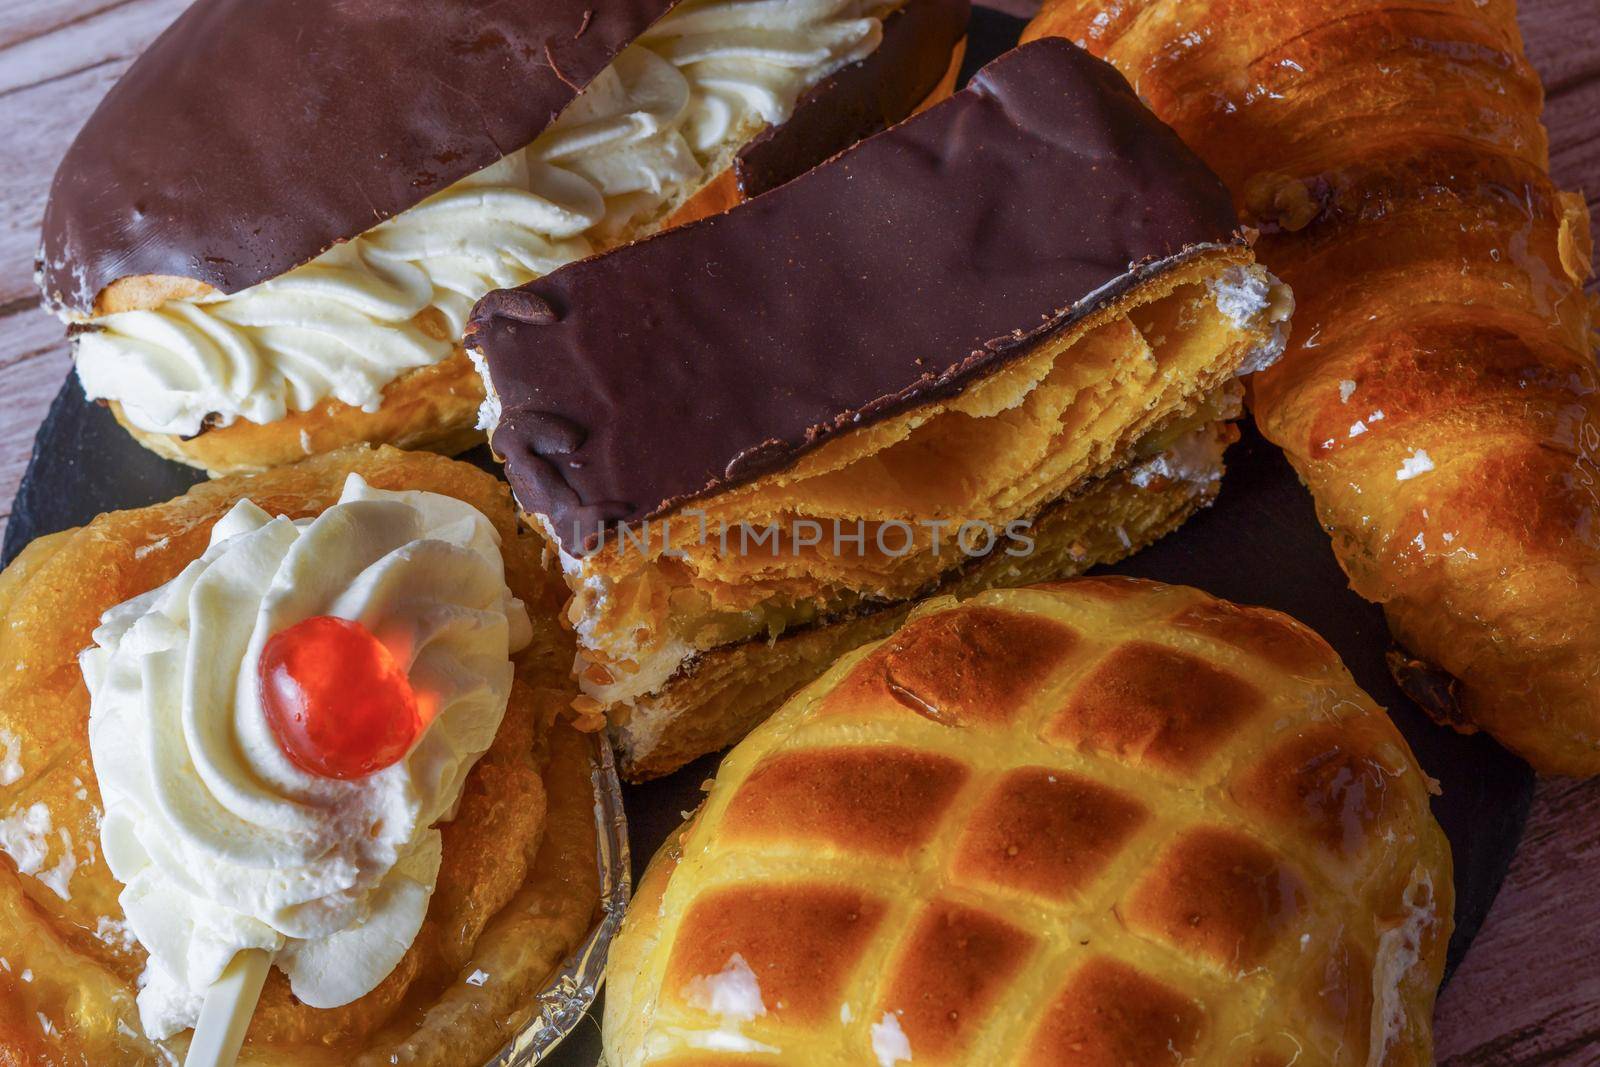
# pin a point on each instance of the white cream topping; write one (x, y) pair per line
(1251, 297)
(10, 757)
(489, 410)
(224, 844)
(1195, 458)
(1399, 950)
(1418, 463)
(346, 324)
(116, 933)
(26, 836)
(889, 1042)
(723, 1040)
(732, 993)
(1242, 294)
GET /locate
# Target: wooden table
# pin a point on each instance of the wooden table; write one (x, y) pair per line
(1528, 993)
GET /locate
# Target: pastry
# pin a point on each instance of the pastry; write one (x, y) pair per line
(418, 868)
(1439, 397)
(1106, 823)
(269, 234)
(921, 367)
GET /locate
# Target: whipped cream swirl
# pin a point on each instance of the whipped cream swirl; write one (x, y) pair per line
(221, 842)
(669, 110)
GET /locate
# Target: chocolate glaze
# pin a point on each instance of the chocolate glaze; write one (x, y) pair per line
(895, 274)
(861, 99)
(254, 134)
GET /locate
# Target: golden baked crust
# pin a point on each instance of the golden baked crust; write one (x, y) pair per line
(518, 885)
(1441, 399)
(434, 408)
(1102, 822)
(721, 695)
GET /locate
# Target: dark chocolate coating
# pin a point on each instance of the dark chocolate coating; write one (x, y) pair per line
(892, 275)
(861, 99)
(255, 134)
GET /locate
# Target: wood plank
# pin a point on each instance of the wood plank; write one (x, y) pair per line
(52, 74)
(33, 364)
(1529, 991)
(24, 20)
(41, 42)
(1563, 42)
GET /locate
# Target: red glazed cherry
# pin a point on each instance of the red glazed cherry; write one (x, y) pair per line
(338, 703)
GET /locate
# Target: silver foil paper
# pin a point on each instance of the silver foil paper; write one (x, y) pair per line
(561, 1004)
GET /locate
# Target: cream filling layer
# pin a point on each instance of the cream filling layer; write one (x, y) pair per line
(634, 143)
(222, 842)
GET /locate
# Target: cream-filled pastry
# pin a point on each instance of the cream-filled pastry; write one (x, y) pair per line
(224, 841)
(316, 718)
(241, 340)
(923, 369)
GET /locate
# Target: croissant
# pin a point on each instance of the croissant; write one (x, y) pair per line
(1104, 823)
(1438, 396)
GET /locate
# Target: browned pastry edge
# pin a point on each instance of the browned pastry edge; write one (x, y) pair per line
(723, 693)
(432, 408)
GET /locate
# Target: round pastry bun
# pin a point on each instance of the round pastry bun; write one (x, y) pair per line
(433, 408)
(1104, 822)
(518, 889)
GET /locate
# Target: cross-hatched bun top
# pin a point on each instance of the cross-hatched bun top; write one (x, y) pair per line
(1107, 822)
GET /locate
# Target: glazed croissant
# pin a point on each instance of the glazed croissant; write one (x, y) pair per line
(1438, 396)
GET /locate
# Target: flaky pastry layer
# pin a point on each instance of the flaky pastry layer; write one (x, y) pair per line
(718, 696)
(1041, 429)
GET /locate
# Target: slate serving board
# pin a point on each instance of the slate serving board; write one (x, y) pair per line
(1260, 544)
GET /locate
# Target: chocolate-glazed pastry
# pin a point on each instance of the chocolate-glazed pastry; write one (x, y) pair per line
(279, 217)
(858, 101)
(1026, 305)
(346, 116)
